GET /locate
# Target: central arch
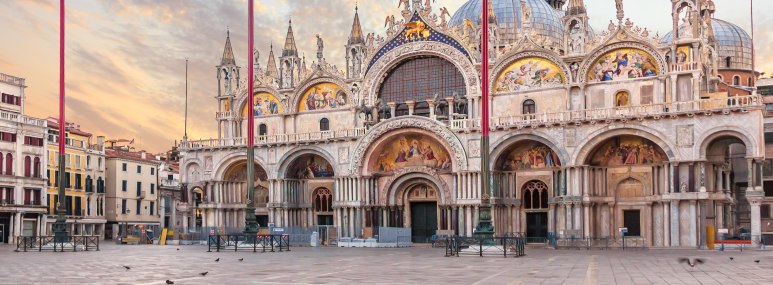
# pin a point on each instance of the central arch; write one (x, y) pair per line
(415, 198)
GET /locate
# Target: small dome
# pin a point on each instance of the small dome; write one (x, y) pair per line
(545, 20)
(733, 43)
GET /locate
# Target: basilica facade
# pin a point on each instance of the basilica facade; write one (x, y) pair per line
(592, 130)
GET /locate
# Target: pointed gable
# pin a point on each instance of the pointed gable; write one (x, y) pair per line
(271, 69)
(355, 37)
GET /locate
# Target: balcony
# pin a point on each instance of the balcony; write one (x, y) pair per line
(655, 111)
(32, 203)
(276, 139)
(6, 202)
(703, 106)
(684, 66)
(17, 118)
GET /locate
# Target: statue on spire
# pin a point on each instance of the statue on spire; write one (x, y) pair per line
(320, 47)
(620, 11)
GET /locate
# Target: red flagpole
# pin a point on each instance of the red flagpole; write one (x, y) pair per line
(250, 81)
(484, 73)
(485, 227)
(61, 79)
(59, 228)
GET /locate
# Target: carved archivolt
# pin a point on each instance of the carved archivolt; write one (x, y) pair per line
(456, 148)
(402, 175)
(377, 73)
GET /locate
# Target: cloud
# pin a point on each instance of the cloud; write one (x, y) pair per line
(126, 58)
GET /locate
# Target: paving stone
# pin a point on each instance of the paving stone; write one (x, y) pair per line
(155, 264)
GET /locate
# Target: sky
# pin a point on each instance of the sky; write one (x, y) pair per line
(125, 59)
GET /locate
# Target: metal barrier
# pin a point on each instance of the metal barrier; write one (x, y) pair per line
(623, 242)
(41, 243)
(236, 242)
(513, 245)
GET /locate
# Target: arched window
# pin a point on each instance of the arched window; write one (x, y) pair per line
(727, 61)
(89, 184)
(749, 82)
(529, 107)
(100, 185)
(419, 79)
(8, 164)
(1, 163)
(324, 124)
(27, 166)
(262, 130)
(736, 80)
(323, 200)
(36, 169)
(535, 195)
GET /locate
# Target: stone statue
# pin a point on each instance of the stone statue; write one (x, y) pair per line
(384, 111)
(227, 82)
(525, 12)
(440, 105)
(575, 70)
(370, 112)
(443, 13)
(460, 103)
(405, 3)
(620, 11)
(611, 26)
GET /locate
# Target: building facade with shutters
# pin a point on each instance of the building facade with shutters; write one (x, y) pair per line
(84, 179)
(132, 192)
(22, 154)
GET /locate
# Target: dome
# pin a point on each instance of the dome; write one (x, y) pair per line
(733, 42)
(545, 20)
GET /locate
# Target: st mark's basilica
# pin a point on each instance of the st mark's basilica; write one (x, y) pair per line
(592, 128)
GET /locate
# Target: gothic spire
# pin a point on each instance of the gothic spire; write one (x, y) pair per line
(356, 35)
(271, 66)
(228, 52)
(290, 49)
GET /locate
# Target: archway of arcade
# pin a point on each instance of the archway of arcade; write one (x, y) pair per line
(526, 175)
(307, 193)
(230, 196)
(624, 177)
(728, 172)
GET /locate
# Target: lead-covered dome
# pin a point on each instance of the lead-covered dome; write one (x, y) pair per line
(545, 20)
(734, 44)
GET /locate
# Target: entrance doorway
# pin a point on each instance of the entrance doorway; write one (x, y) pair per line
(2, 233)
(262, 220)
(632, 221)
(423, 221)
(536, 227)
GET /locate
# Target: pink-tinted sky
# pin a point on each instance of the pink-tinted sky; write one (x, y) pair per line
(126, 58)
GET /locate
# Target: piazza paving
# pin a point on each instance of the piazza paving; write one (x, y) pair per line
(419, 265)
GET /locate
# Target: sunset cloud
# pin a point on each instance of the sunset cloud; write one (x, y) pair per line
(126, 58)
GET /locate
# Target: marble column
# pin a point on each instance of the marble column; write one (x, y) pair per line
(411, 104)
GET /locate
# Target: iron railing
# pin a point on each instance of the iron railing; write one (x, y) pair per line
(513, 245)
(241, 241)
(41, 243)
(606, 242)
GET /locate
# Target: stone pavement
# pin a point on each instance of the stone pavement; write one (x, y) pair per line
(155, 264)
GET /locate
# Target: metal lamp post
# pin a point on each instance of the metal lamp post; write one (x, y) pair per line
(60, 226)
(485, 228)
(251, 222)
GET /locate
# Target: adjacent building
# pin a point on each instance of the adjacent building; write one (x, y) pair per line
(131, 193)
(84, 179)
(592, 130)
(22, 154)
(171, 191)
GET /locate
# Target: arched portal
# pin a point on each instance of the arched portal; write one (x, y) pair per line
(307, 190)
(535, 203)
(232, 190)
(625, 173)
(419, 200)
(730, 170)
